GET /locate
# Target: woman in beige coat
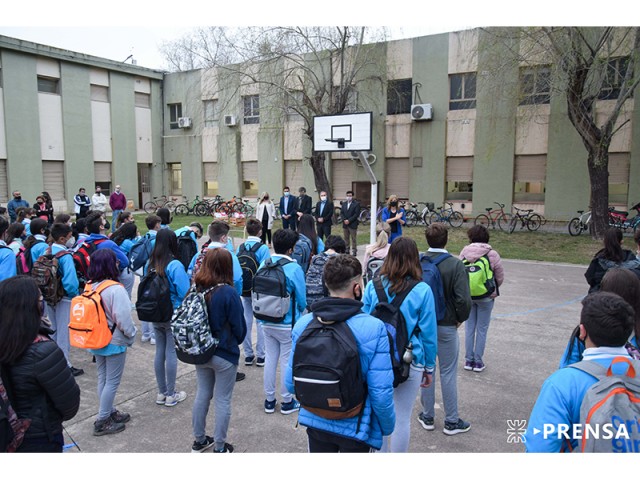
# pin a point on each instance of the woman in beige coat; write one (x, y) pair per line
(266, 213)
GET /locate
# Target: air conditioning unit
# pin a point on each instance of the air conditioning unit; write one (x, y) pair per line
(230, 120)
(421, 112)
(184, 122)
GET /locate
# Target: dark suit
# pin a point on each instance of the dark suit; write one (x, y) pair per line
(350, 213)
(324, 227)
(304, 204)
(291, 210)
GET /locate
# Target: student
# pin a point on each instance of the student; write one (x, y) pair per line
(401, 271)
(343, 276)
(63, 218)
(455, 283)
(25, 216)
(165, 217)
(350, 210)
(379, 249)
(126, 236)
(477, 325)
(308, 243)
(124, 217)
(82, 203)
(110, 360)
(153, 225)
(59, 314)
(277, 336)
(606, 322)
(612, 255)
(7, 255)
(194, 229)
(314, 279)
(217, 377)
(49, 204)
(36, 243)
(80, 232)
(324, 216)
(266, 213)
(42, 386)
(395, 216)
(288, 209)
(254, 231)
(14, 235)
(163, 261)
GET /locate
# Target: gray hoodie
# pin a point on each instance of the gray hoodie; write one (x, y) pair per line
(117, 307)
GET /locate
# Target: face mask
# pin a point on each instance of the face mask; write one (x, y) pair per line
(17, 198)
(393, 204)
(324, 199)
(40, 202)
(349, 199)
(70, 243)
(98, 192)
(266, 198)
(286, 194)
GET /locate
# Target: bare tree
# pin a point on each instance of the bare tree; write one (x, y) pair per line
(307, 71)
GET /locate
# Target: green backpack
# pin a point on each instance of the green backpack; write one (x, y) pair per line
(482, 282)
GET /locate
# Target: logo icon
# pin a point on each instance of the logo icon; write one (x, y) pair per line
(516, 430)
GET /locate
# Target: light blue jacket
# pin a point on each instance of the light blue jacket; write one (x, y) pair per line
(296, 286)
(67, 271)
(39, 248)
(237, 269)
(7, 262)
(179, 282)
(111, 245)
(263, 252)
(127, 243)
(418, 308)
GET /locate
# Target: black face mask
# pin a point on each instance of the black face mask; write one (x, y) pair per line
(17, 198)
(393, 204)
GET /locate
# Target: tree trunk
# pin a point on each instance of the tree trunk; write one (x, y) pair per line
(599, 176)
(320, 177)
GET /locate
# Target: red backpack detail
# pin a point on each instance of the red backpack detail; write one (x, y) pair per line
(81, 260)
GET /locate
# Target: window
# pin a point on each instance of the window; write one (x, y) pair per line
(462, 91)
(99, 93)
(251, 109)
(614, 76)
(53, 179)
(535, 85)
(175, 178)
(529, 178)
(459, 178)
(351, 105)
(399, 96)
(175, 112)
(211, 112)
(143, 100)
(249, 179)
(210, 179)
(48, 85)
(618, 178)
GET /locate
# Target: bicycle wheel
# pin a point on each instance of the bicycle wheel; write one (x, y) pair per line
(513, 223)
(201, 209)
(574, 227)
(365, 216)
(482, 219)
(150, 207)
(182, 210)
(503, 221)
(434, 217)
(534, 222)
(338, 213)
(412, 219)
(171, 206)
(426, 217)
(456, 219)
(250, 211)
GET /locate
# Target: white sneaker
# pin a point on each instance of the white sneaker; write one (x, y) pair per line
(173, 400)
(160, 399)
(152, 341)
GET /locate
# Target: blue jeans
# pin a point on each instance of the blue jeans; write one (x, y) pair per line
(215, 380)
(278, 348)
(247, 344)
(448, 347)
(110, 369)
(475, 329)
(59, 318)
(165, 363)
(114, 219)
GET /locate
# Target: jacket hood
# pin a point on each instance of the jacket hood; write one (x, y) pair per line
(474, 251)
(630, 261)
(336, 309)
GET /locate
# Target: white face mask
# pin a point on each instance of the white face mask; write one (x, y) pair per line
(70, 243)
(324, 199)
(349, 199)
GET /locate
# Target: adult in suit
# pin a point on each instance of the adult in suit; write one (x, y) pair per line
(350, 212)
(324, 216)
(303, 204)
(288, 209)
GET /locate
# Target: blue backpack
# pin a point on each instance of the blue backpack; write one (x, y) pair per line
(302, 252)
(431, 276)
(140, 253)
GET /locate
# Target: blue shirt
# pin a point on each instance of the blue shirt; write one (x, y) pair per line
(67, 271)
(7, 262)
(111, 245)
(237, 269)
(179, 282)
(322, 205)
(39, 248)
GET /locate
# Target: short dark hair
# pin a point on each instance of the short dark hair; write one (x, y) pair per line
(254, 226)
(284, 240)
(349, 192)
(335, 243)
(478, 234)
(302, 189)
(197, 225)
(217, 229)
(286, 188)
(607, 318)
(81, 225)
(4, 225)
(59, 230)
(340, 270)
(437, 235)
(94, 222)
(62, 218)
(151, 221)
(38, 226)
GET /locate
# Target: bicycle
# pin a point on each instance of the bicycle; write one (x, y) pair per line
(494, 217)
(447, 215)
(619, 219)
(529, 219)
(579, 224)
(196, 207)
(152, 206)
(243, 207)
(429, 208)
(413, 217)
(365, 214)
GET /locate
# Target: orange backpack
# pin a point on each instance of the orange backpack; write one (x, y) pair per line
(88, 327)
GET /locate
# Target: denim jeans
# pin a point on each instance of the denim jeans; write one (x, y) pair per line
(147, 330)
(215, 380)
(278, 348)
(448, 347)
(59, 318)
(127, 279)
(475, 330)
(247, 344)
(165, 363)
(110, 369)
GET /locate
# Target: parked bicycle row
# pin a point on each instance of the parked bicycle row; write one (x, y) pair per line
(617, 219)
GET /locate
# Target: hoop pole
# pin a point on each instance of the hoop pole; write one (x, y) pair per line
(374, 195)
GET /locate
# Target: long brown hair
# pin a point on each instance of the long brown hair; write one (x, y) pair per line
(217, 267)
(402, 262)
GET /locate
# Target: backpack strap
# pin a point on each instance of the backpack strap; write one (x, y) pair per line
(255, 247)
(592, 368)
(103, 286)
(399, 298)
(382, 295)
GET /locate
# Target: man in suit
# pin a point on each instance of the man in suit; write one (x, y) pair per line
(288, 209)
(303, 204)
(350, 212)
(324, 216)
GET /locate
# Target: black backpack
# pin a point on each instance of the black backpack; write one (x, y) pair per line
(154, 298)
(12, 428)
(249, 263)
(327, 375)
(396, 325)
(270, 299)
(187, 248)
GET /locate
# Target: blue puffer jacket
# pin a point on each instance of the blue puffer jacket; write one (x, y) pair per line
(378, 417)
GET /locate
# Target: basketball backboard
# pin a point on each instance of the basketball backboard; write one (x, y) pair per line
(344, 132)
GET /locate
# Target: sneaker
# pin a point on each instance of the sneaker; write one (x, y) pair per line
(76, 372)
(289, 407)
(248, 361)
(269, 406)
(260, 362)
(458, 427)
(199, 447)
(469, 365)
(240, 376)
(173, 400)
(145, 339)
(119, 417)
(479, 366)
(152, 341)
(228, 448)
(107, 427)
(426, 422)
(161, 399)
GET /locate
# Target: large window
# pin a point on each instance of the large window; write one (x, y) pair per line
(535, 85)
(48, 85)
(99, 93)
(462, 91)
(529, 178)
(175, 178)
(251, 109)
(459, 178)
(211, 112)
(53, 179)
(175, 112)
(614, 76)
(618, 178)
(399, 96)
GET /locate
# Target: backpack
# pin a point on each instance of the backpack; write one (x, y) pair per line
(396, 325)
(154, 298)
(140, 253)
(187, 248)
(81, 259)
(431, 276)
(302, 252)
(88, 326)
(249, 264)
(199, 259)
(24, 262)
(481, 280)
(613, 401)
(12, 428)
(191, 330)
(327, 375)
(373, 269)
(316, 289)
(269, 297)
(46, 273)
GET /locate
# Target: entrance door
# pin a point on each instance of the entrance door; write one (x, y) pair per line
(362, 192)
(144, 183)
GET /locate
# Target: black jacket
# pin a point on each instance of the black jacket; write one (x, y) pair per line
(352, 213)
(600, 265)
(304, 204)
(455, 283)
(327, 213)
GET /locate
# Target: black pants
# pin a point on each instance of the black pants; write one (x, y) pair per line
(324, 230)
(325, 442)
(291, 223)
(266, 232)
